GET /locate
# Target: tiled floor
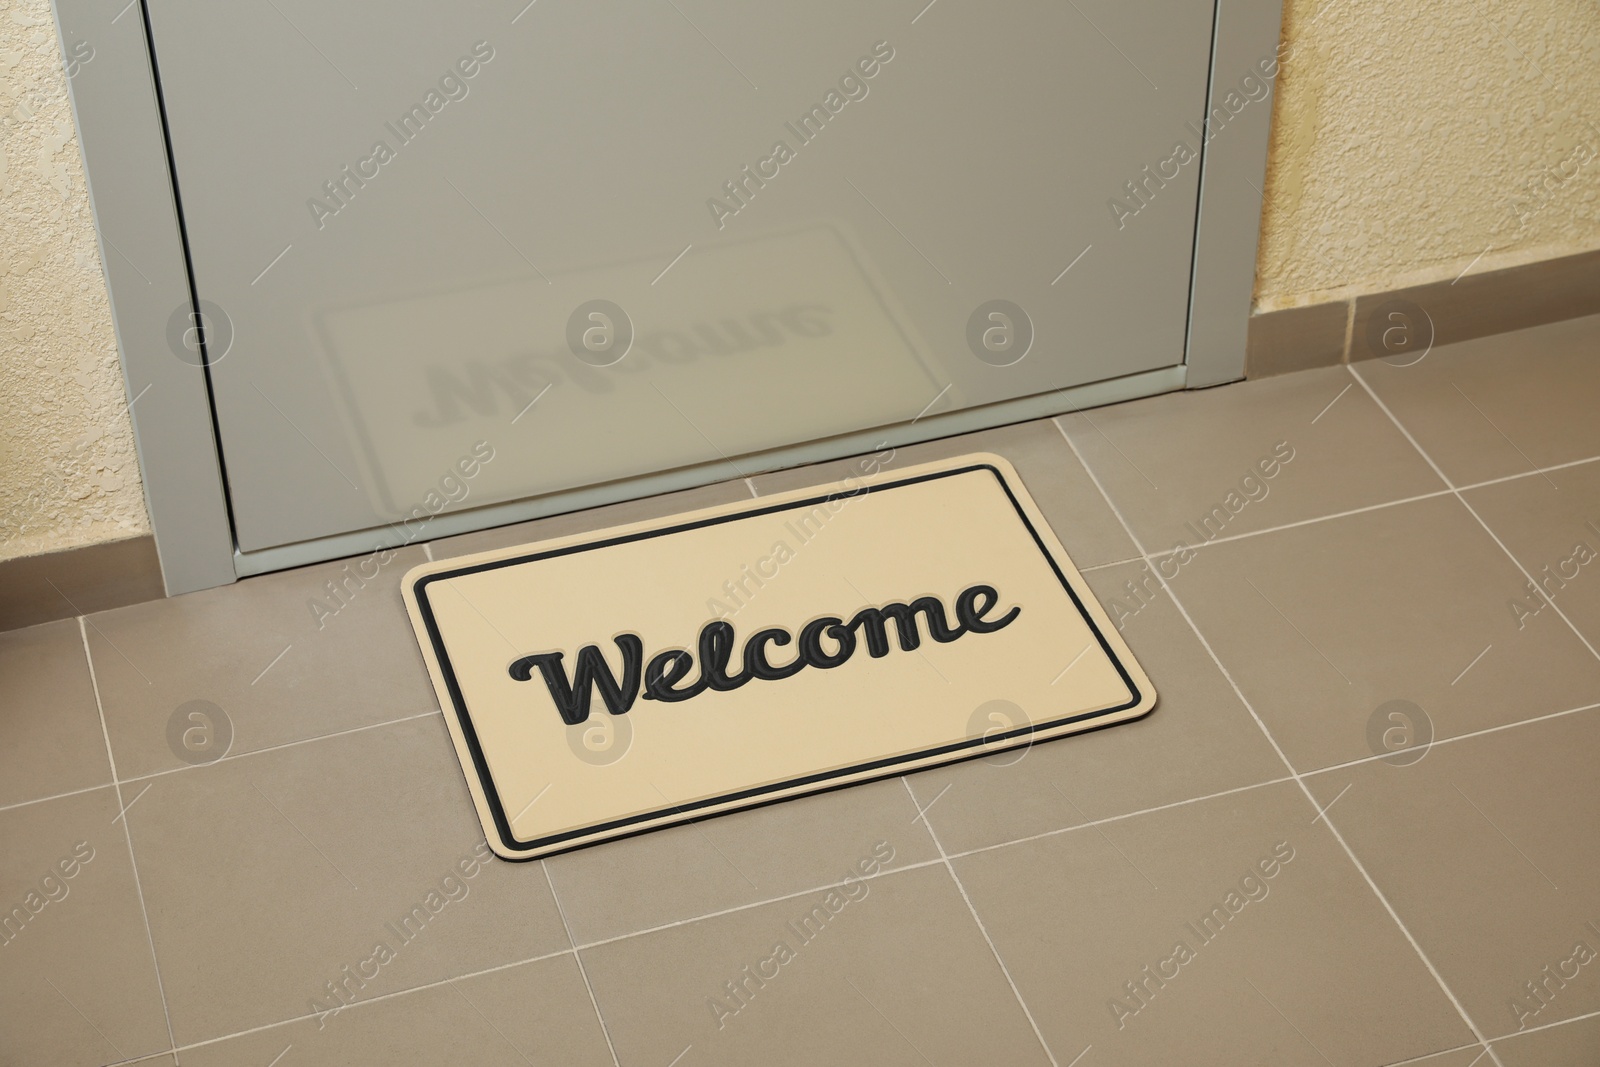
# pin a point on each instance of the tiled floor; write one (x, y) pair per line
(1357, 830)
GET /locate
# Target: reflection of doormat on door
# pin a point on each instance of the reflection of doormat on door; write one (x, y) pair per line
(602, 684)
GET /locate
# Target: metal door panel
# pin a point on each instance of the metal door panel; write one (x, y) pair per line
(375, 340)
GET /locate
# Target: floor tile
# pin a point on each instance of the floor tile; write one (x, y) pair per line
(1551, 523)
(1482, 846)
(274, 659)
(1466, 1056)
(1200, 739)
(1559, 1046)
(76, 975)
(699, 868)
(894, 973)
(1075, 509)
(1088, 919)
(50, 736)
(304, 860)
(1323, 625)
(572, 522)
(1185, 468)
(536, 1013)
(1500, 405)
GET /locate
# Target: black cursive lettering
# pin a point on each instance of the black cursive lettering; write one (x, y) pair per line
(665, 677)
(572, 699)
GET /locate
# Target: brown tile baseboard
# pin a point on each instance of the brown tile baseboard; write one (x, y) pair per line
(76, 581)
(1296, 339)
(1399, 322)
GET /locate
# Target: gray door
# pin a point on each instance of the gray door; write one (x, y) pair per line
(610, 239)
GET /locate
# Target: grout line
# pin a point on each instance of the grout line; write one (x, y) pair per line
(1113, 563)
(275, 748)
(1327, 819)
(577, 956)
(56, 796)
(809, 891)
(370, 1000)
(1518, 563)
(1546, 1026)
(982, 929)
(552, 955)
(1139, 545)
(1091, 824)
(127, 833)
(1432, 1055)
(1530, 474)
(1474, 513)
(1477, 1033)
(1302, 522)
(1162, 554)
(1450, 740)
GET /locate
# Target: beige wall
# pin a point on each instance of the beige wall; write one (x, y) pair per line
(68, 474)
(1410, 136)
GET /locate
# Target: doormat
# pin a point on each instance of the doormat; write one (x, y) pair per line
(603, 684)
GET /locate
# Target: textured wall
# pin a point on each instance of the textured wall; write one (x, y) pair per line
(68, 475)
(1410, 136)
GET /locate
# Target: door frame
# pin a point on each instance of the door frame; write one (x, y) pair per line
(138, 209)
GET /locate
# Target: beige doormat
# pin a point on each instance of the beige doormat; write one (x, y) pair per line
(603, 684)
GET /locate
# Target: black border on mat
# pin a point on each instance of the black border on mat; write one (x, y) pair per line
(486, 780)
